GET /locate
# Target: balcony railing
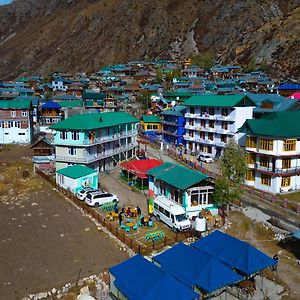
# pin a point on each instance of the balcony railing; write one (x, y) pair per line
(96, 156)
(169, 123)
(98, 140)
(279, 171)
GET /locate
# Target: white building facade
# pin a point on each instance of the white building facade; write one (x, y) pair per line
(16, 122)
(211, 121)
(273, 152)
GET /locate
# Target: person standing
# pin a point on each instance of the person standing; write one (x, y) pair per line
(138, 210)
(120, 218)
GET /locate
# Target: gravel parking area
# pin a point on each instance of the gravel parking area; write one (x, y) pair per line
(45, 242)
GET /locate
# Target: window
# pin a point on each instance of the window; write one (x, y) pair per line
(264, 161)
(202, 135)
(285, 181)
(192, 122)
(60, 179)
(211, 124)
(203, 123)
(62, 135)
(75, 135)
(223, 138)
(224, 125)
(7, 124)
(251, 142)
(48, 121)
(250, 158)
(210, 136)
(211, 111)
(18, 124)
(266, 179)
(250, 175)
(192, 110)
(24, 114)
(199, 198)
(286, 163)
(72, 150)
(203, 111)
(191, 133)
(266, 144)
(149, 127)
(267, 105)
(155, 126)
(13, 113)
(225, 112)
(21, 133)
(289, 145)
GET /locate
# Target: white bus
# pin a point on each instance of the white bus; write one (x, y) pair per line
(171, 214)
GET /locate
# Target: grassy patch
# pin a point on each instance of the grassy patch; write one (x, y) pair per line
(293, 197)
(18, 178)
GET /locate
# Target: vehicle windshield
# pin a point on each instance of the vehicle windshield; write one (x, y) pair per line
(181, 217)
(89, 196)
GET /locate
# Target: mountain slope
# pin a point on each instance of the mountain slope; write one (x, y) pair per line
(80, 35)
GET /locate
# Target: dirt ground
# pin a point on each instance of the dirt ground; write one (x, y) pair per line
(15, 153)
(288, 271)
(111, 182)
(45, 242)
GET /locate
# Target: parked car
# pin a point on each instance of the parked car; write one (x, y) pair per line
(205, 158)
(98, 198)
(81, 194)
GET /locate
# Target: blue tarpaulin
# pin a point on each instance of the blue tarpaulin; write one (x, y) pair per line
(234, 253)
(138, 279)
(296, 234)
(196, 268)
(51, 104)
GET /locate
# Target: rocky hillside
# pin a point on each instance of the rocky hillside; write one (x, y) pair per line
(38, 36)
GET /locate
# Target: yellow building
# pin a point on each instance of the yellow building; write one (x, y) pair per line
(150, 123)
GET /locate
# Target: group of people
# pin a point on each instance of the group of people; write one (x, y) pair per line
(128, 212)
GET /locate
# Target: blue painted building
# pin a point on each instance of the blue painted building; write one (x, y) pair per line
(173, 123)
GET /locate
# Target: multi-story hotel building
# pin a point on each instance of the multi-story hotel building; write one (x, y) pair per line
(97, 140)
(211, 121)
(273, 152)
(16, 123)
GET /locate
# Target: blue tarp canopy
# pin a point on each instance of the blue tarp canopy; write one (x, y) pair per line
(138, 279)
(296, 234)
(51, 104)
(234, 253)
(196, 268)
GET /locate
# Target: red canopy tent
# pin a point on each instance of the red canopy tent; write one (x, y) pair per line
(140, 167)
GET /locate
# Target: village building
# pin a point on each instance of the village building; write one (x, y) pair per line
(43, 151)
(273, 151)
(188, 188)
(16, 122)
(97, 140)
(173, 123)
(212, 120)
(77, 177)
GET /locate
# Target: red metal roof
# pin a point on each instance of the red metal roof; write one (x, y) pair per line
(140, 167)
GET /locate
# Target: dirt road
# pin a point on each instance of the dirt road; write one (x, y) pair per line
(45, 242)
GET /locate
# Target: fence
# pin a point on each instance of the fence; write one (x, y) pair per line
(264, 196)
(138, 247)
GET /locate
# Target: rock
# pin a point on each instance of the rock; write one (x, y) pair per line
(41, 295)
(53, 291)
(85, 290)
(34, 204)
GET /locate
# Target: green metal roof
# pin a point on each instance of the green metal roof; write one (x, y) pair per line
(151, 119)
(91, 103)
(71, 103)
(76, 171)
(280, 124)
(94, 121)
(176, 175)
(17, 104)
(219, 101)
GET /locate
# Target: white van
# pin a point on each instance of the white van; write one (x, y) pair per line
(171, 214)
